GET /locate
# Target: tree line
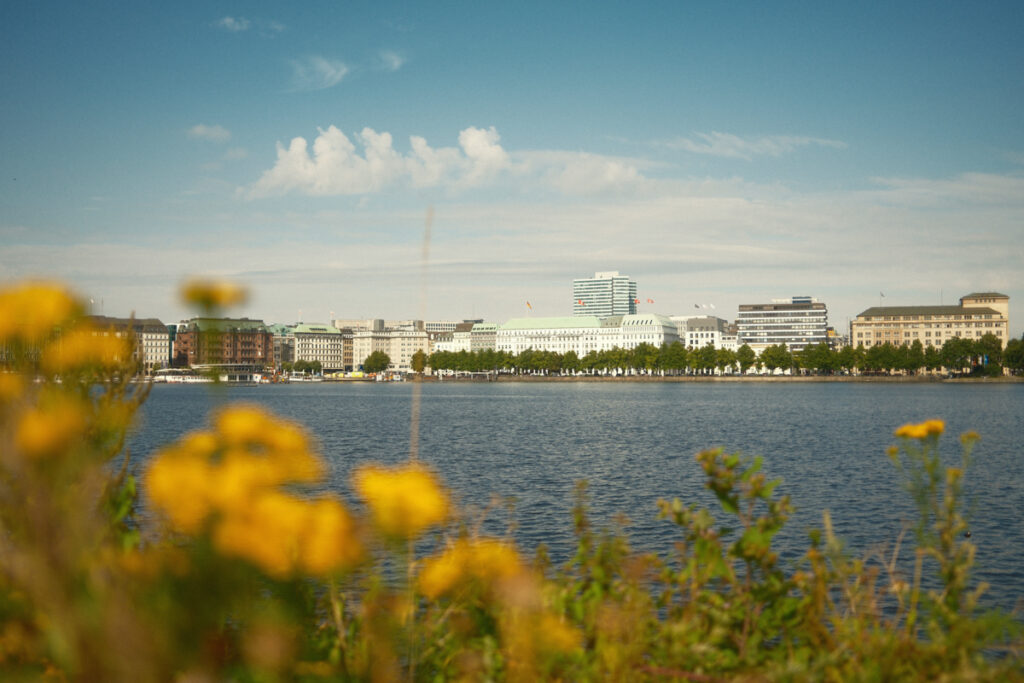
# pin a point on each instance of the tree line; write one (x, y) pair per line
(956, 355)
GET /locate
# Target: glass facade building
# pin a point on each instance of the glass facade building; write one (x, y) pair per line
(603, 295)
(796, 322)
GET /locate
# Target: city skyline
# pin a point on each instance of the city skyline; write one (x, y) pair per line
(718, 155)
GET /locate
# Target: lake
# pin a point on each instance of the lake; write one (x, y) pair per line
(635, 443)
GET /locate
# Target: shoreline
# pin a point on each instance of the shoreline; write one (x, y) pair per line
(873, 379)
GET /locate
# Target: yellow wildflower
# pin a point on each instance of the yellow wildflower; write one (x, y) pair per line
(267, 532)
(555, 635)
(212, 294)
(329, 541)
(404, 500)
(922, 430)
(178, 483)
(30, 312)
(253, 430)
(486, 561)
(50, 428)
(12, 386)
(84, 348)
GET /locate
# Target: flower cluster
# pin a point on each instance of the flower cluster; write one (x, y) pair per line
(922, 430)
(229, 481)
(404, 501)
(30, 312)
(211, 295)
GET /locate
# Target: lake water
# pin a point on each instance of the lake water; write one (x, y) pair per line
(635, 443)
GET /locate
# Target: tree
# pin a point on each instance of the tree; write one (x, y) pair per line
(419, 361)
(746, 357)
(316, 367)
(776, 356)
(378, 361)
(725, 358)
(1014, 355)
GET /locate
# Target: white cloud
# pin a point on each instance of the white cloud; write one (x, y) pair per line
(213, 133)
(233, 24)
(317, 73)
(391, 61)
(336, 166)
(736, 147)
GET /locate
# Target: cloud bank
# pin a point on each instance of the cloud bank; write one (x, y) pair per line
(369, 163)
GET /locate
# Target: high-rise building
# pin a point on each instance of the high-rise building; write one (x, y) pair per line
(605, 294)
(796, 322)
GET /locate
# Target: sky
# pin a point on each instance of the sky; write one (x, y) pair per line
(457, 160)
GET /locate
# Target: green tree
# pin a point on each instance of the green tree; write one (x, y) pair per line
(725, 358)
(419, 361)
(746, 357)
(316, 367)
(378, 361)
(1014, 355)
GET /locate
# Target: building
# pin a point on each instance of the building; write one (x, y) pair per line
(284, 343)
(604, 295)
(697, 331)
(319, 342)
(797, 322)
(457, 340)
(978, 314)
(483, 336)
(152, 339)
(583, 334)
(403, 345)
(223, 341)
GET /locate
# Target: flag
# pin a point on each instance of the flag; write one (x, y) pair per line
(696, 305)
(650, 301)
(581, 302)
(636, 301)
(529, 306)
(881, 294)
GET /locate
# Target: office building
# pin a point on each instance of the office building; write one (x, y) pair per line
(603, 295)
(797, 322)
(978, 314)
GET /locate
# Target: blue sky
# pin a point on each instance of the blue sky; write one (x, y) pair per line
(719, 153)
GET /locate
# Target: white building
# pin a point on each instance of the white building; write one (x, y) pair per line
(606, 294)
(483, 337)
(697, 331)
(403, 344)
(797, 322)
(583, 334)
(152, 339)
(320, 342)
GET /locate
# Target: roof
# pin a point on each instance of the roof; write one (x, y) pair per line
(227, 324)
(564, 322)
(876, 311)
(485, 327)
(315, 328)
(985, 295)
(646, 319)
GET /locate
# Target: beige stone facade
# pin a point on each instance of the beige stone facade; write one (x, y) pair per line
(978, 314)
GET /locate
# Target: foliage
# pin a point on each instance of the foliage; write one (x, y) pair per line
(237, 565)
(419, 361)
(378, 361)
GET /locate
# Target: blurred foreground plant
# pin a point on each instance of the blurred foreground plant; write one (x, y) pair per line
(241, 568)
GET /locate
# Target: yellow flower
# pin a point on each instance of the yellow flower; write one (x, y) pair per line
(554, 635)
(51, 427)
(212, 294)
(404, 500)
(922, 430)
(486, 561)
(85, 348)
(29, 312)
(266, 532)
(12, 386)
(178, 484)
(329, 541)
(284, 445)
